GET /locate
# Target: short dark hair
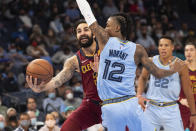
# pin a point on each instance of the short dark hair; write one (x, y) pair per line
(190, 43)
(125, 23)
(167, 37)
(24, 114)
(76, 25)
(31, 97)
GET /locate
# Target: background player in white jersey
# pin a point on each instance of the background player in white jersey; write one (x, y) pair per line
(162, 95)
(118, 61)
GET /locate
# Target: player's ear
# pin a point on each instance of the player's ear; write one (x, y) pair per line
(173, 47)
(93, 36)
(117, 28)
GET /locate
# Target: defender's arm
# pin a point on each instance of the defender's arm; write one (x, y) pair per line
(99, 32)
(142, 56)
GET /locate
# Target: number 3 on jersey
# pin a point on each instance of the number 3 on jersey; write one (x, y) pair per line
(163, 83)
(113, 72)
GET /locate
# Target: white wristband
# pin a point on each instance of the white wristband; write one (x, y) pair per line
(86, 11)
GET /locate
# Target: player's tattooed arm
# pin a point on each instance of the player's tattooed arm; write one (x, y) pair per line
(70, 66)
(100, 34)
(141, 56)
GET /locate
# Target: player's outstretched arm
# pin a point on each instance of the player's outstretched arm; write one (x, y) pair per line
(99, 32)
(186, 85)
(142, 56)
(70, 66)
(141, 87)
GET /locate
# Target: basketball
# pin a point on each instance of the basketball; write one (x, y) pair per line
(41, 69)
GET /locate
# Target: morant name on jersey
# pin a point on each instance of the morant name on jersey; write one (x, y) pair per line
(118, 53)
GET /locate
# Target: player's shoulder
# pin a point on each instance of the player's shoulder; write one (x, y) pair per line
(140, 50)
(72, 61)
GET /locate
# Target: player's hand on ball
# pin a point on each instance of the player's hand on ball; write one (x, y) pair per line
(33, 84)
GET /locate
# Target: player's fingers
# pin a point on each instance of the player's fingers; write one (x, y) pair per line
(28, 81)
(92, 65)
(37, 90)
(96, 58)
(143, 107)
(194, 128)
(27, 78)
(35, 81)
(42, 84)
(190, 125)
(31, 81)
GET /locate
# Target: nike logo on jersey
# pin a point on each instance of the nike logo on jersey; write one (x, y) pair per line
(84, 61)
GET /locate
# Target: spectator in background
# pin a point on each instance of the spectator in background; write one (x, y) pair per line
(11, 123)
(56, 25)
(60, 56)
(3, 108)
(36, 50)
(18, 59)
(32, 119)
(11, 112)
(36, 31)
(157, 32)
(10, 83)
(50, 124)
(2, 123)
(137, 8)
(109, 8)
(146, 40)
(98, 13)
(58, 118)
(52, 103)
(11, 119)
(32, 106)
(24, 123)
(70, 100)
(67, 111)
(52, 41)
(183, 32)
(35, 124)
(25, 19)
(72, 11)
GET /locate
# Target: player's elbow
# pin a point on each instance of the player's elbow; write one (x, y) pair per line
(157, 74)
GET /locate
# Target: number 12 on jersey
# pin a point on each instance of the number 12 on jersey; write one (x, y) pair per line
(110, 75)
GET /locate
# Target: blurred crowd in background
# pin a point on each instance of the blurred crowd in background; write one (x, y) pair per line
(31, 29)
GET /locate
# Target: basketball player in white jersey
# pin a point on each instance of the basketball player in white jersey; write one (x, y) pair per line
(162, 95)
(118, 61)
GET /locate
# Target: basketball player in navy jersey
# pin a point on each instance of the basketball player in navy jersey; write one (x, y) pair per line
(89, 112)
(162, 94)
(116, 74)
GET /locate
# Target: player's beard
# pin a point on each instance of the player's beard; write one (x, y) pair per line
(87, 43)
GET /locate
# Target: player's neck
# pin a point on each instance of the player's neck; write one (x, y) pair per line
(192, 65)
(166, 60)
(90, 50)
(121, 37)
